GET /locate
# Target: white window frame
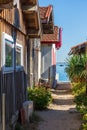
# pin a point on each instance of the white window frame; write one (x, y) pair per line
(20, 66)
(10, 39)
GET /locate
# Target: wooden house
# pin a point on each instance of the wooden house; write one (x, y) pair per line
(20, 32)
(79, 49)
(22, 48)
(50, 41)
(34, 32)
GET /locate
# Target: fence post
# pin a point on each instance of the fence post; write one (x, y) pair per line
(3, 111)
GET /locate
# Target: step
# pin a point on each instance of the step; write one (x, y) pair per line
(63, 85)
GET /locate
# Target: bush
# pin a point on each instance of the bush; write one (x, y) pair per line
(85, 117)
(81, 100)
(78, 88)
(40, 96)
(18, 127)
(84, 126)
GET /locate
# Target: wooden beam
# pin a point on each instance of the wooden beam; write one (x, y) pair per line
(29, 2)
(5, 1)
(27, 8)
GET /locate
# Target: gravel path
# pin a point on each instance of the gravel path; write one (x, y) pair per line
(61, 114)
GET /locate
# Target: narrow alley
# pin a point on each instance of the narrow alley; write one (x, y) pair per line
(61, 114)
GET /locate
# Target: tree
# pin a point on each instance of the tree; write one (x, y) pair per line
(76, 68)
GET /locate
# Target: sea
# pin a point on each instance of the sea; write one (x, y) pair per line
(61, 75)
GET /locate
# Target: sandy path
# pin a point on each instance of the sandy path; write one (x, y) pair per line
(61, 114)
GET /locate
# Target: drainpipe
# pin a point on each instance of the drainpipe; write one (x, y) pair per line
(14, 37)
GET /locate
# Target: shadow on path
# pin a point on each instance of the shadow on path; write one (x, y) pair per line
(61, 114)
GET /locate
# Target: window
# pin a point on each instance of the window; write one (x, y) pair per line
(7, 52)
(19, 55)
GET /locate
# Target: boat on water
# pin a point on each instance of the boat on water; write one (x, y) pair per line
(61, 65)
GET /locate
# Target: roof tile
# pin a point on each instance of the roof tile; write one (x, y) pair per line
(45, 12)
(52, 38)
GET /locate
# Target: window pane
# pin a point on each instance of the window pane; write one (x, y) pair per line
(9, 55)
(18, 56)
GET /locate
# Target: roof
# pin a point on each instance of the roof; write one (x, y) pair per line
(45, 12)
(78, 47)
(50, 38)
(55, 38)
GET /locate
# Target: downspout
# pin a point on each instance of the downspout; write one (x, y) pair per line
(28, 61)
(14, 35)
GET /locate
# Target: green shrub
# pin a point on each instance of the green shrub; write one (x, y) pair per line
(81, 99)
(78, 88)
(40, 96)
(85, 117)
(18, 127)
(84, 126)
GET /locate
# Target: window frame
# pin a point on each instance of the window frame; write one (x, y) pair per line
(10, 39)
(21, 47)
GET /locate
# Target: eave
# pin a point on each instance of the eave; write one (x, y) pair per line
(46, 15)
(29, 2)
(55, 38)
(80, 48)
(48, 28)
(31, 16)
(6, 4)
(5, 1)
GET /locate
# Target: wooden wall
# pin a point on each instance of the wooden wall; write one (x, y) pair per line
(20, 92)
(14, 83)
(9, 16)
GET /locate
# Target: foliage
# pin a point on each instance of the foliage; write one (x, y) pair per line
(76, 67)
(78, 88)
(81, 101)
(18, 127)
(76, 70)
(84, 126)
(85, 117)
(40, 96)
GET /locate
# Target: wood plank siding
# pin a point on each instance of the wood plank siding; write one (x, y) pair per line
(13, 83)
(20, 92)
(10, 15)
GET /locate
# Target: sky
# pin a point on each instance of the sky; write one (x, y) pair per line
(71, 15)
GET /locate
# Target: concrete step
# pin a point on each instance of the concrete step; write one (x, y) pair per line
(63, 86)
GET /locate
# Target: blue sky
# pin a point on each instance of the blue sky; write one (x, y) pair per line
(71, 15)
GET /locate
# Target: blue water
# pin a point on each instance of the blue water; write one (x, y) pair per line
(60, 71)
